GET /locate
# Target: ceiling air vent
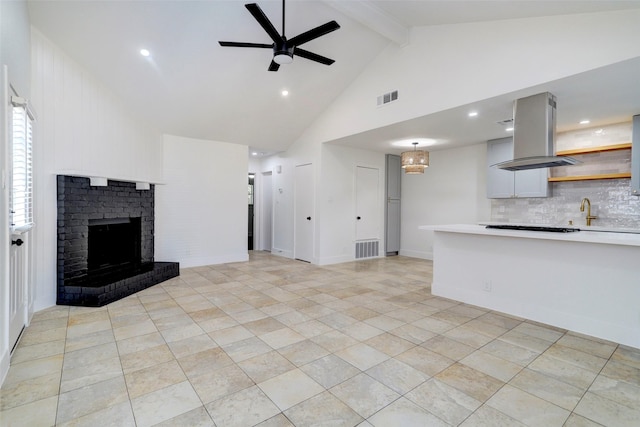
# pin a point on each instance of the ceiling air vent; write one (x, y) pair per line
(387, 98)
(507, 122)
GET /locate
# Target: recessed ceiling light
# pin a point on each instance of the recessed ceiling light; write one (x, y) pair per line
(509, 129)
(585, 122)
(145, 52)
(473, 114)
(254, 154)
(285, 93)
(423, 142)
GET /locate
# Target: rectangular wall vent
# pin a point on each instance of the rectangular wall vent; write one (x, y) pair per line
(367, 249)
(387, 98)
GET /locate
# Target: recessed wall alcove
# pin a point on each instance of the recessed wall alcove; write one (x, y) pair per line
(105, 242)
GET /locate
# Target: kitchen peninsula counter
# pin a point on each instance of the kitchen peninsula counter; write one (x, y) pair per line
(586, 236)
(584, 281)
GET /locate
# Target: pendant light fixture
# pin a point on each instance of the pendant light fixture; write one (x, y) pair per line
(414, 162)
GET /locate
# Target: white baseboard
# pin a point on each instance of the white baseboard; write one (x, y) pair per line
(213, 260)
(4, 365)
(417, 254)
(336, 259)
(282, 252)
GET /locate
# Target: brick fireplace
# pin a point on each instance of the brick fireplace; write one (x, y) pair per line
(105, 242)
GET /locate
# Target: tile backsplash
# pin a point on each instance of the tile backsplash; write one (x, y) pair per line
(611, 199)
(607, 162)
(617, 133)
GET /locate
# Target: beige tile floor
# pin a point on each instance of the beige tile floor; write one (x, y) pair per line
(276, 342)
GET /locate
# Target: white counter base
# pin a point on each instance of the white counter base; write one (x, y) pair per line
(574, 281)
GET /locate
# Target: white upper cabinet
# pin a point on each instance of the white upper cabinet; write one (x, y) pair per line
(503, 184)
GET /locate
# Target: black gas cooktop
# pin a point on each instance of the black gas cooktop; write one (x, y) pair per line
(534, 228)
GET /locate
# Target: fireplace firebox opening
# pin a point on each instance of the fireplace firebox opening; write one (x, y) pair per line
(114, 244)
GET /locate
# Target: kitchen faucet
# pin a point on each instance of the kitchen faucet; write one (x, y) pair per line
(589, 216)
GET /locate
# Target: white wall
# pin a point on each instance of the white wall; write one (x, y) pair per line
(82, 128)
(337, 201)
(451, 191)
(334, 186)
(283, 166)
(446, 66)
(14, 54)
(443, 67)
(93, 133)
(201, 211)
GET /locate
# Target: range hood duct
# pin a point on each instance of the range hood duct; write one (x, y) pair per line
(534, 135)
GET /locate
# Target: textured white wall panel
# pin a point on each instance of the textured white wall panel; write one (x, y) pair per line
(82, 128)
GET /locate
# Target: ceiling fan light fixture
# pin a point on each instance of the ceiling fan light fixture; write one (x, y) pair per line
(283, 57)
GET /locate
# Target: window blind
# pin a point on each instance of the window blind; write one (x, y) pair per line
(21, 203)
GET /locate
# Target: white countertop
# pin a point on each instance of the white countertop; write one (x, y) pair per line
(582, 227)
(601, 237)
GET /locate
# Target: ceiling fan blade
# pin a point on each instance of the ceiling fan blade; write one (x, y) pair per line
(262, 19)
(240, 44)
(313, 56)
(313, 33)
(274, 66)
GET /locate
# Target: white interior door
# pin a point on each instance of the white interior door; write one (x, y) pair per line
(303, 219)
(367, 205)
(17, 287)
(20, 194)
(266, 211)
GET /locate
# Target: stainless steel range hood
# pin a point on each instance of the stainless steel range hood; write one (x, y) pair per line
(534, 135)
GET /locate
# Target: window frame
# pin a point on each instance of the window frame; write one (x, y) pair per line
(21, 158)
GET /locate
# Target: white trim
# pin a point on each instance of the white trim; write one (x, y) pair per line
(112, 178)
(5, 238)
(213, 260)
(4, 365)
(339, 259)
(373, 18)
(416, 254)
(97, 181)
(282, 252)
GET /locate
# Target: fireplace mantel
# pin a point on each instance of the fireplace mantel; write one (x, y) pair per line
(99, 180)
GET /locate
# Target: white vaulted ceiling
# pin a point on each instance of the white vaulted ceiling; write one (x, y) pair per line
(190, 86)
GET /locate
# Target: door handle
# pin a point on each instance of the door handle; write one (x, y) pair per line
(308, 218)
(358, 218)
(18, 242)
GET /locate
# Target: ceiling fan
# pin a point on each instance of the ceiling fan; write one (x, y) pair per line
(283, 49)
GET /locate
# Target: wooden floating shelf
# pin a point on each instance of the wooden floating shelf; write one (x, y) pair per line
(594, 149)
(590, 177)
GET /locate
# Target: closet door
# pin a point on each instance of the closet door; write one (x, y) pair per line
(367, 218)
